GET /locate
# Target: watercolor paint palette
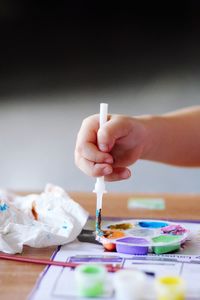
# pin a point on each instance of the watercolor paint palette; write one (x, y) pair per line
(143, 236)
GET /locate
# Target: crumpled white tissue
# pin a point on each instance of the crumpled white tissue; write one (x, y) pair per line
(39, 220)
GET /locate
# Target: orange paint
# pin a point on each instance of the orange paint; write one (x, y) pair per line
(34, 212)
(111, 234)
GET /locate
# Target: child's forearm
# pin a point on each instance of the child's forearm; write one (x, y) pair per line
(173, 138)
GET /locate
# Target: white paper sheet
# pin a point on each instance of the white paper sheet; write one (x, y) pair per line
(59, 283)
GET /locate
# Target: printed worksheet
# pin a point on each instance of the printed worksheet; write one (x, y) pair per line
(59, 282)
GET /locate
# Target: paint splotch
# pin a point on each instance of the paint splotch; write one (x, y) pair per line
(152, 224)
(121, 226)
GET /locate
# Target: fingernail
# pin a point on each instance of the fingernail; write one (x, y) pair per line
(103, 147)
(125, 174)
(107, 170)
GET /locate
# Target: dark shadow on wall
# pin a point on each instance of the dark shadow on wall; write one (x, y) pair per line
(62, 45)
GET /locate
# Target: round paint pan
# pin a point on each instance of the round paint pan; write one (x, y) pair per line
(129, 284)
(143, 236)
(170, 287)
(90, 280)
(132, 245)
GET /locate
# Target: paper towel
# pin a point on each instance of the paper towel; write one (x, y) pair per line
(39, 220)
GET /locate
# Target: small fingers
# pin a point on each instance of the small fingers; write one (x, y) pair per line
(118, 174)
(94, 169)
(115, 128)
(90, 152)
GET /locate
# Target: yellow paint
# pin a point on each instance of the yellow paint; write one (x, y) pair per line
(121, 226)
(170, 288)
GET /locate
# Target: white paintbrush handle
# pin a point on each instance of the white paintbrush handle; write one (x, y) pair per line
(103, 114)
(100, 184)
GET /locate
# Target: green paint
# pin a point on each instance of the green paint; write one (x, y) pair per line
(166, 248)
(91, 270)
(165, 239)
(146, 203)
(90, 280)
(93, 291)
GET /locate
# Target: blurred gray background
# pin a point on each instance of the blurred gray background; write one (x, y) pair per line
(59, 61)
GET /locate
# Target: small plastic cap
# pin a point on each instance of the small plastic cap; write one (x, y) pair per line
(100, 187)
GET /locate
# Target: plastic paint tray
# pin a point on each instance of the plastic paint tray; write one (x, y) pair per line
(143, 236)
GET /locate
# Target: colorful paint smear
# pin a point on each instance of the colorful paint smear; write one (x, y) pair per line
(99, 232)
(174, 229)
(3, 207)
(152, 224)
(34, 212)
(113, 234)
(121, 226)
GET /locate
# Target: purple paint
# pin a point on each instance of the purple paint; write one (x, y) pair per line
(97, 259)
(132, 245)
(174, 229)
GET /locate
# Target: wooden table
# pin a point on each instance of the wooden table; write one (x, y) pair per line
(17, 279)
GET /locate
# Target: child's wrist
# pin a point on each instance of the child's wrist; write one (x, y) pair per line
(151, 132)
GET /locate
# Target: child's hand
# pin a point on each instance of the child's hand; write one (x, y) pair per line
(109, 151)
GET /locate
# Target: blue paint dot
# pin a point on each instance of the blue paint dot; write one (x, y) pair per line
(150, 224)
(3, 207)
(97, 212)
(65, 227)
(99, 232)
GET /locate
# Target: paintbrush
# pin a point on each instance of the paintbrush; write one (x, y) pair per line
(41, 261)
(100, 184)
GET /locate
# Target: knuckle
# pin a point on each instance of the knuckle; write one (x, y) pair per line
(86, 121)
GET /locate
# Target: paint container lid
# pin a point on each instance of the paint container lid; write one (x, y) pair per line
(170, 288)
(129, 284)
(90, 280)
